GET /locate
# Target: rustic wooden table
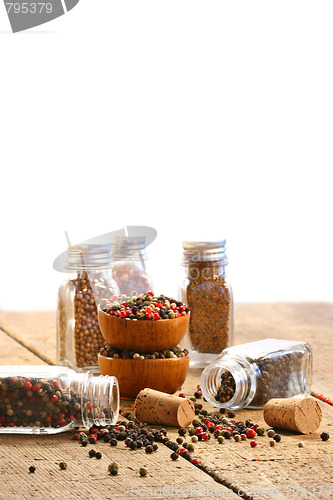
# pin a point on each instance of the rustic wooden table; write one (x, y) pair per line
(230, 469)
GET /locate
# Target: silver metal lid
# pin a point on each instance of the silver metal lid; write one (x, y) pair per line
(85, 257)
(126, 246)
(203, 251)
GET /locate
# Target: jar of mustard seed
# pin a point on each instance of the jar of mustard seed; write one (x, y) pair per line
(51, 399)
(130, 269)
(207, 292)
(249, 375)
(89, 279)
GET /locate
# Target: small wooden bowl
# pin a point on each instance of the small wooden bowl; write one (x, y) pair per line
(165, 375)
(142, 335)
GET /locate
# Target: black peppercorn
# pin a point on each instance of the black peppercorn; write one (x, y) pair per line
(277, 438)
(324, 436)
(113, 442)
(92, 453)
(181, 431)
(142, 472)
(231, 414)
(174, 456)
(98, 455)
(32, 469)
(149, 448)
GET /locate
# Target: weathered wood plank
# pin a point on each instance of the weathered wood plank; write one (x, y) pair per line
(278, 472)
(11, 352)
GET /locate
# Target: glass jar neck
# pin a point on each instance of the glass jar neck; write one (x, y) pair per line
(205, 269)
(99, 398)
(244, 375)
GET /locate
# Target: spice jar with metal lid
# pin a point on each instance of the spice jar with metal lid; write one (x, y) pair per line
(253, 373)
(52, 399)
(79, 338)
(208, 294)
(130, 269)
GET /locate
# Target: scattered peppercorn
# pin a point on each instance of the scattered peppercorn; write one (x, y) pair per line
(231, 414)
(253, 443)
(181, 431)
(113, 468)
(142, 472)
(98, 455)
(260, 431)
(174, 456)
(324, 436)
(270, 432)
(301, 444)
(63, 465)
(277, 438)
(92, 453)
(272, 442)
(32, 469)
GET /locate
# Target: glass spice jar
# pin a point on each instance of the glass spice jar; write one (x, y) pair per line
(130, 264)
(253, 373)
(208, 294)
(79, 338)
(52, 399)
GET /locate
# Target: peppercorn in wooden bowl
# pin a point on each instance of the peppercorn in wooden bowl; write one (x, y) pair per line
(142, 336)
(165, 375)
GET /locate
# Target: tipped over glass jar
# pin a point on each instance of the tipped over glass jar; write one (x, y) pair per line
(249, 375)
(52, 399)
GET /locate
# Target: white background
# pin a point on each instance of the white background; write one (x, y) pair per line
(205, 119)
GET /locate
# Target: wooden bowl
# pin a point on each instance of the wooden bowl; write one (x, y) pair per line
(166, 375)
(142, 335)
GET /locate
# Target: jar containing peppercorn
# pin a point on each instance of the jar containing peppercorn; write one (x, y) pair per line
(130, 264)
(253, 373)
(79, 338)
(53, 399)
(209, 296)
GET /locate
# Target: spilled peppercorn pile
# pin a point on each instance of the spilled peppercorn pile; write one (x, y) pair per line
(144, 307)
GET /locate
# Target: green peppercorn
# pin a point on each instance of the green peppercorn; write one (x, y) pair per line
(191, 431)
(190, 447)
(113, 466)
(220, 439)
(260, 431)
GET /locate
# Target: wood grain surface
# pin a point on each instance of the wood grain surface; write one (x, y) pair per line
(230, 469)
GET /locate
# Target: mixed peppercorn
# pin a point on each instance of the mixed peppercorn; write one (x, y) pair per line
(144, 307)
(36, 402)
(114, 352)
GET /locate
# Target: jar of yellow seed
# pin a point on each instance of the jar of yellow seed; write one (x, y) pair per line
(207, 292)
(89, 279)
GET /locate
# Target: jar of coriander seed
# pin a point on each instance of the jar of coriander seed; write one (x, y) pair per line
(207, 292)
(89, 279)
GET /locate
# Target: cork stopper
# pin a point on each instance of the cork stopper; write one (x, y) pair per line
(294, 414)
(155, 407)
